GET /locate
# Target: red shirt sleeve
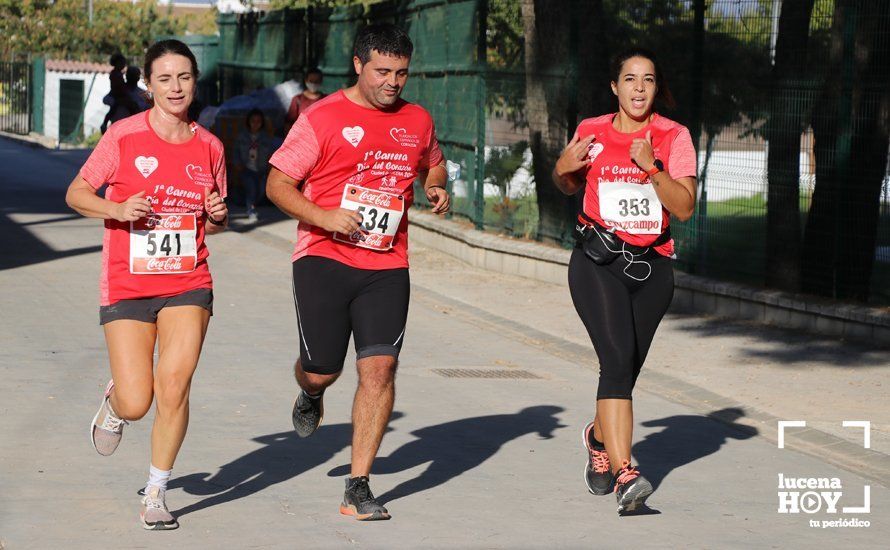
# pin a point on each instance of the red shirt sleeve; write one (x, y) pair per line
(434, 154)
(682, 162)
(299, 153)
(103, 162)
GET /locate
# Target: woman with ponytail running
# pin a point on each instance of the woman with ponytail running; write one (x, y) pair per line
(637, 169)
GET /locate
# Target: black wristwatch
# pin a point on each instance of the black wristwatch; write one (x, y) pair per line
(659, 167)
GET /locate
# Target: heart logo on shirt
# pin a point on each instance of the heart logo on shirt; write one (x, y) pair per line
(191, 169)
(394, 133)
(196, 173)
(595, 150)
(146, 165)
(354, 135)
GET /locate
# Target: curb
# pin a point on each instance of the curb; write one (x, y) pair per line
(38, 141)
(693, 294)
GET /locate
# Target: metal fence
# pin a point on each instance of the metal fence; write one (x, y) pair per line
(786, 101)
(447, 77)
(15, 97)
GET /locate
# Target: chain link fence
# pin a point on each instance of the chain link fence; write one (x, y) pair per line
(787, 103)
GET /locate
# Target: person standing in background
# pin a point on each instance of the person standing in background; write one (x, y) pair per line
(252, 151)
(311, 93)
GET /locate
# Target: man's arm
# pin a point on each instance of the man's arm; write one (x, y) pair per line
(283, 192)
(434, 181)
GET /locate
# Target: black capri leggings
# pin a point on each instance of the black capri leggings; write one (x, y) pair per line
(621, 314)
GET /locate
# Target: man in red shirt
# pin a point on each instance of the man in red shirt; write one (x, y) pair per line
(346, 172)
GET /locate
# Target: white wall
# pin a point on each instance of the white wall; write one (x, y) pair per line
(95, 110)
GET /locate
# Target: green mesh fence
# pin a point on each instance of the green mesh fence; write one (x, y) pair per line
(446, 75)
(258, 50)
(784, 101)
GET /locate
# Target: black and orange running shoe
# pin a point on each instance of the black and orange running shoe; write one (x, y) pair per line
(359, 502)
(631, 488)
(598, 470)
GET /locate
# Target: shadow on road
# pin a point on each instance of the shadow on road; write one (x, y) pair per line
(793, 349)
(453, 448)
(685, 439)
(283, 456)
(33, 181)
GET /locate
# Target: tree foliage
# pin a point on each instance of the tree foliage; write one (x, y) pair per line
(61, 28)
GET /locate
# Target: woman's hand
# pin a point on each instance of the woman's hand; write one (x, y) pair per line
(216, 208)
(641, 152)
(574, 156)
(132, 209)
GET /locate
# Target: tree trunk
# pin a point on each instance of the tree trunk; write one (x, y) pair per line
(559, 88)
(852, 132)
(786, 124)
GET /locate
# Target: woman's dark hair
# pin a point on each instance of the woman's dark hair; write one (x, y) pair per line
(252, 113)
(312, 70)
(386, 38)
(162, 48)
(663, 92)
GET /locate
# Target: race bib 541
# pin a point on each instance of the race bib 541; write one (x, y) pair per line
(163, 244)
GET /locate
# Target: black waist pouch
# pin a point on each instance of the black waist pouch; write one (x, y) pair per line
(604, 246)
(600, 246)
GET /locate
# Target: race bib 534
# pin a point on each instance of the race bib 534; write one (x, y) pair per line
(381, 215)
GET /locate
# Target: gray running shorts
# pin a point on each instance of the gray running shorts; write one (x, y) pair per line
(147, 309)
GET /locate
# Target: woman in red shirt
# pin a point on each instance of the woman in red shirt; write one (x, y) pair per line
(637, 168)
(311, 93)
(166, 182)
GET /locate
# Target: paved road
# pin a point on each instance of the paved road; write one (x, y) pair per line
(469, 462)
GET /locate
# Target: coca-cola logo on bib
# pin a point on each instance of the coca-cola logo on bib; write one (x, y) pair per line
(169, 223)
(377, 199)
(164, 264)
(373, 239)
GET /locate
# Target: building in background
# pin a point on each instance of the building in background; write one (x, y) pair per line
(72, 99)
(181, 7)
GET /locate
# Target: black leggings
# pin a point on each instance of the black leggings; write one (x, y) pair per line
(621, 314)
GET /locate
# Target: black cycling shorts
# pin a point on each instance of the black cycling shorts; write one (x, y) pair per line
(334, 300)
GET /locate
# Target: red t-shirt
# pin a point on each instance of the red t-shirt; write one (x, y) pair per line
(363, 159)
(176, 178)
(618, 193)
(298, 104)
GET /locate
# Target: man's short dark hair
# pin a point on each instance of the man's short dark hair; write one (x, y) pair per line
(386, 38)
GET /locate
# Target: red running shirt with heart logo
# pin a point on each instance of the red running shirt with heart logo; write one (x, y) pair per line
(176, 178)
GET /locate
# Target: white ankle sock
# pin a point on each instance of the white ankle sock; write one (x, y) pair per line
(157, 478)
